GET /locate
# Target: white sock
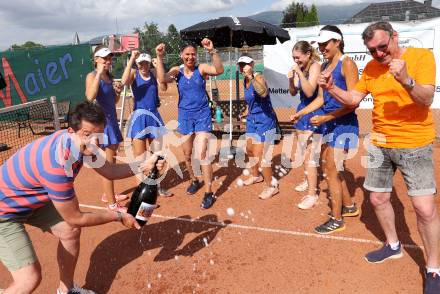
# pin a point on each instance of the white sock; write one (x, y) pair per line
(394, 246)
(433, 270)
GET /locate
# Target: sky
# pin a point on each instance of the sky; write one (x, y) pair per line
(52, 22)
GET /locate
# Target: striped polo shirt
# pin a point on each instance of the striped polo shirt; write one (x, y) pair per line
(42, 171)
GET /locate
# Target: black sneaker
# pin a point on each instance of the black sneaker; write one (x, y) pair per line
(432, 284)
(193, 188)
(208, 200)
(330, 226)
(350, 210)
(384, 253)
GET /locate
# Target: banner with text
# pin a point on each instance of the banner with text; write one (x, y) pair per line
(37, 73)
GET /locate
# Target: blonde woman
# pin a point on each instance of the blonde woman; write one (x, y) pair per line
(303, 79)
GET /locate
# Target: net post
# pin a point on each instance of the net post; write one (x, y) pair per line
(56, 121)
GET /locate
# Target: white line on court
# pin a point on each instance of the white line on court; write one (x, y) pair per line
(269, 230)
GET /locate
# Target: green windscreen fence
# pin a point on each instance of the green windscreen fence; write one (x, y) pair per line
(39, 73)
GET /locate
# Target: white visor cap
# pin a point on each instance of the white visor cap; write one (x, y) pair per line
(143, 57)
(325, 36)
(103, 52)
(245, 59)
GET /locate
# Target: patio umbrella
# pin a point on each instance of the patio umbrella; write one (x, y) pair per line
(234, 32)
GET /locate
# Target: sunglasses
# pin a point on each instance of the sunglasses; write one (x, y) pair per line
(382, 48)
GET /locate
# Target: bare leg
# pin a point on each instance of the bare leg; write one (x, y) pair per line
(67, 252)
(334, 183)
(266, 167)
(187, 147)
(385, 214)
(428, 224)
(204, 157)
(25, 280)
(109, 190)
(251, 153)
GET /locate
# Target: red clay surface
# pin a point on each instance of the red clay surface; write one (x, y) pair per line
(265, 247)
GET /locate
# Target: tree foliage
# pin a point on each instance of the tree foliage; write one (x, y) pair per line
(27, 45)
(299, 15)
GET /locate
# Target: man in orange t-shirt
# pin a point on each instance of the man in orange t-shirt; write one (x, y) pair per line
(401, 81)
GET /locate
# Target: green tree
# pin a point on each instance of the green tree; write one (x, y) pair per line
(313, 16)
(27, 45)
(301, 15)
(174, 44)
(298, 15)
(289, 16)
(150, 37)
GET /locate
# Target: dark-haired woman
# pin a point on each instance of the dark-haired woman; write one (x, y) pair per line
(340, 124)
(194, 113)
(101, 87)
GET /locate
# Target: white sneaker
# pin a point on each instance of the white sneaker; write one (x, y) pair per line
(76, 290)
(164, 192)
(308, 201)
(268, 192)
(302, 186)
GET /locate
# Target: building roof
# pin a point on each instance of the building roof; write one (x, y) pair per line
(396, 11)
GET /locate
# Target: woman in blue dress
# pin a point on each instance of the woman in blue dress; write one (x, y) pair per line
(303, 79)
(101, 87)
(194, 113)
(261, 126)
(341, 127)
(146, 123)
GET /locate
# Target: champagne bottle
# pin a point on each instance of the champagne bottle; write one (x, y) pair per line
(144, 197)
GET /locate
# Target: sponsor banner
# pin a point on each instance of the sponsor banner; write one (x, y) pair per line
(39, 73)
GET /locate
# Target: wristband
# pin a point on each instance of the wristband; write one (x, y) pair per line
(212, 51)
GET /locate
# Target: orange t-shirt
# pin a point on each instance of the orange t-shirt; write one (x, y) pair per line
(396, 116)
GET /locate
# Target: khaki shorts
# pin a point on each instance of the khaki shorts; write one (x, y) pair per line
(16, 249)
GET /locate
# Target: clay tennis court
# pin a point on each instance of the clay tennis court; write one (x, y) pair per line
(240, 245)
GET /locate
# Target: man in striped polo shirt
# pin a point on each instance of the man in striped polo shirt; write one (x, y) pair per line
(36, 188)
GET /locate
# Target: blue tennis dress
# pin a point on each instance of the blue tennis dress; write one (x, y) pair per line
(145, 122)
(106, 98)
(304, 124)
(342, 132)
(261, 119)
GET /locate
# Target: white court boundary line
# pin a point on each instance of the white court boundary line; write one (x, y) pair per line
(269, 230)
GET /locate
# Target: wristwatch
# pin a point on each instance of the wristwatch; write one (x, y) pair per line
(119, 214)
(410, 83)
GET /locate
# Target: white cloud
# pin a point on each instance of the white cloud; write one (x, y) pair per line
(56, 21)
(282, 4)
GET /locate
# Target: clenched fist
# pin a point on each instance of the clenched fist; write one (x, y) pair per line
(160, 50)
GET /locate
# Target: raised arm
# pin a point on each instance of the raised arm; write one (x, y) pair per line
(260, 85)
(293, 82)
(129, 73)
(217, 65)
(419, 93)
(92, 82)
(308, 85)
